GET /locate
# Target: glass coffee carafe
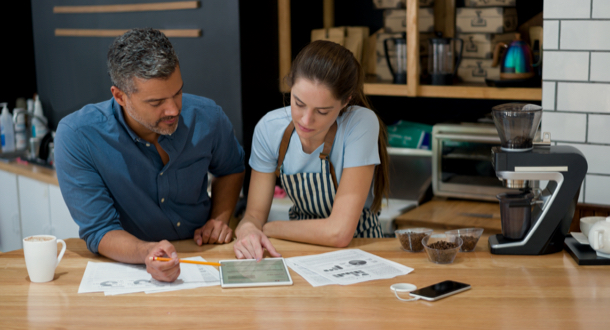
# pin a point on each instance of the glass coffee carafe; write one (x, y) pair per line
(397, 56)
(445, 55)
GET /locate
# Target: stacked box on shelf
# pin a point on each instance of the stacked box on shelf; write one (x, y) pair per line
(481, 28)
(395, 20)
(486, 20)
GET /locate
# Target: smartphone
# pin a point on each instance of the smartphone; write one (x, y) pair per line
(440, 290)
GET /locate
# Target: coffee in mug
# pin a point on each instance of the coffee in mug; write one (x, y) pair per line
(41, 257)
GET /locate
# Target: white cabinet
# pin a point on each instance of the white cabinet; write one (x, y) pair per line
(62, 224)
(10, 227)
(31, 207)
(34, 207)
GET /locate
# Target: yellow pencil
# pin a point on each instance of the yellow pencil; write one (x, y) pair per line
(187, 261)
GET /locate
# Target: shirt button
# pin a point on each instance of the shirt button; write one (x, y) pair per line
(148, 144)
(162, 200)
(178, 224)
(161, 173)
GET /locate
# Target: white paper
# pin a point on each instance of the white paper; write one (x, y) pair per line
(580, 237)
(311, 277)
(346, 267)
(118, 278)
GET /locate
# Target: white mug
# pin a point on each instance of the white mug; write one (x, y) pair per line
(41, 258)
(599, 236)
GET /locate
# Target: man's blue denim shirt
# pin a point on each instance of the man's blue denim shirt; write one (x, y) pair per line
(111, 179)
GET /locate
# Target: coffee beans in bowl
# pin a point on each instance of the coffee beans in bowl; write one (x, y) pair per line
(442, 248)
(411, 239)
(470, 237)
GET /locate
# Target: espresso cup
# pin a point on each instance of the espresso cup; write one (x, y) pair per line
(41, 258)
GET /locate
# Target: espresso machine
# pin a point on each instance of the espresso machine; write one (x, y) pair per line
(534, 221)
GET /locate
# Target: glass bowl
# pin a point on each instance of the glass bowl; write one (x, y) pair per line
(470, 237)
(442, 248)
(411, 239)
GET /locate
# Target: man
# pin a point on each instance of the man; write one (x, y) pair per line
(133, 170)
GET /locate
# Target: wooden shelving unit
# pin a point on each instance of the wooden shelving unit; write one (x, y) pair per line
(444, 21)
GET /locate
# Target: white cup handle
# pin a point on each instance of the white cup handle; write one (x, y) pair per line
(600, 239)
(63, 250)
(593, 239)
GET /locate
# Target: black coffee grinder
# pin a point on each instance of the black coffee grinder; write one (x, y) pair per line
(534, 221)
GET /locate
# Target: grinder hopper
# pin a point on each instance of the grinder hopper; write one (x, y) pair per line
(517, 124)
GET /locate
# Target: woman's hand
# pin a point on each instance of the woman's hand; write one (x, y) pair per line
(250, 243)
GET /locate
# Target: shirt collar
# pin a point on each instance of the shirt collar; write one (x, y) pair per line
(120, 116)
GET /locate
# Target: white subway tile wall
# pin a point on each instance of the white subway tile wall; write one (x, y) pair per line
(567, 9)
(601, 9)
(550, 35)
(600, 66)
(584, 35)
(596, 189)
(576, 86)
(565, 126)
(599, 130)
(559, 65)
(548, 95)
(583, 97)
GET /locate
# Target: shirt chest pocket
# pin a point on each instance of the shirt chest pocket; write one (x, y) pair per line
(192, 183)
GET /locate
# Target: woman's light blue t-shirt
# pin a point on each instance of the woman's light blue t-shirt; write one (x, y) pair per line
(355, 144)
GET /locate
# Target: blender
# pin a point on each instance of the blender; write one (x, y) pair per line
(534, 221)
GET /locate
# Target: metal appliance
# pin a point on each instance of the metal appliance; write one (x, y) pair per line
(521, 164)
(462, 161)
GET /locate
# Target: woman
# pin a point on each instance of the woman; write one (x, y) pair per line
(327, 167)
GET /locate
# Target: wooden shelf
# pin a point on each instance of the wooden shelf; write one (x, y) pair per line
(385, 89)
(480, 92)
(456, 91)
(445, 17)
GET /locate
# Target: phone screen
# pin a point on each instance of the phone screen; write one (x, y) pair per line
(440, 290)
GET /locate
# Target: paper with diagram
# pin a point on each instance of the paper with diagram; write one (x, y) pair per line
(345, 267)
(118, 278)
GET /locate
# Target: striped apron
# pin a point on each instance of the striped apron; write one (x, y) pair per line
(313, 194)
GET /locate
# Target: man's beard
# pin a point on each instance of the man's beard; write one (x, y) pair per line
(154, 128)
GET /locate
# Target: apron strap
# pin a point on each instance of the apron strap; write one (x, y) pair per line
(329, 139)
(284, 147)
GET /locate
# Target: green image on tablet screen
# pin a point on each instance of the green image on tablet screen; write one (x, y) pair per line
(254, 272)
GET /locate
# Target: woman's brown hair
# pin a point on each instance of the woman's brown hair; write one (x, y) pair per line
(334, 66)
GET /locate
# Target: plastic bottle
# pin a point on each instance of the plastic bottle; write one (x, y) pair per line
(21, 138)
(7, 131)
(39, 121)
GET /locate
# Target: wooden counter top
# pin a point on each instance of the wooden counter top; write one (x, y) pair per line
(31, 171)
(453, 214)
(508, 292)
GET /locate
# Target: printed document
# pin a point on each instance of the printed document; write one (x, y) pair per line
(345, 267)
(117, 278)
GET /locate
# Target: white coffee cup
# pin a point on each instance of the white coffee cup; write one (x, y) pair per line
(587, 222)
(41, 258)
(599, 236)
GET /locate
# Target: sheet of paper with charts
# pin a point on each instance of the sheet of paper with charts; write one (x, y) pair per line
(117, 278)
(345, 267)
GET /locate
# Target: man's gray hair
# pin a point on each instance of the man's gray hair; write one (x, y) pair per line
(143, 53)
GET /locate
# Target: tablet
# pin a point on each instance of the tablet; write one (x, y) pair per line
(249, 272)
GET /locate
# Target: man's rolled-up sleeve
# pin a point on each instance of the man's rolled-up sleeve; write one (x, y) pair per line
(83, 189)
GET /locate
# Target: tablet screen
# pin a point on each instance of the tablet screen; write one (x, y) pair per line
(270, 271)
